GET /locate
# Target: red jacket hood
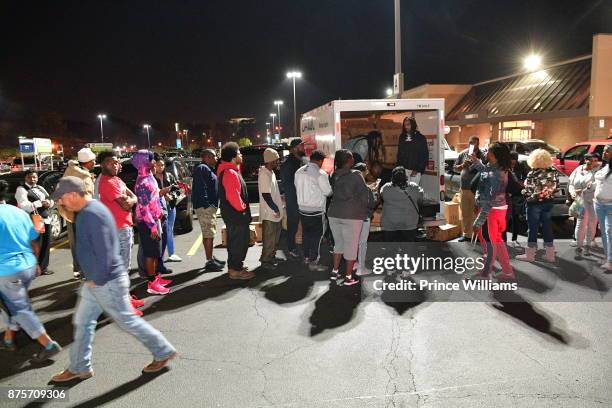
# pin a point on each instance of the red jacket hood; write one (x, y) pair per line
(223, 165)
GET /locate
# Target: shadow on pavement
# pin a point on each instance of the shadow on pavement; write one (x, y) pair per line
(515, 306)
(334, 308)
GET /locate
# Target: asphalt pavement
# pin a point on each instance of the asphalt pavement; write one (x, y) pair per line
(290, 339)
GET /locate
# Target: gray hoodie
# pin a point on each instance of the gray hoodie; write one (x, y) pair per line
(351, 196)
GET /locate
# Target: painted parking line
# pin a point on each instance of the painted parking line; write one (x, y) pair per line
(195, 246)
(58, 245)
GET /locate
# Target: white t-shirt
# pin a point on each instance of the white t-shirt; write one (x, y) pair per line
(266, 181)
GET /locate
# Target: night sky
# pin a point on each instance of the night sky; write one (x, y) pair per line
(212, 60)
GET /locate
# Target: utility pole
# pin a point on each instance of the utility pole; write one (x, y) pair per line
(398, 78)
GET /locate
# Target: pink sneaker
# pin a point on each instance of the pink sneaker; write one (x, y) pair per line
(162, 281)
(155, 288)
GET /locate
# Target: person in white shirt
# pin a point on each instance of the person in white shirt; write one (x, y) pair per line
(34, 199)
(582, 187)
(271, 209)
(312, 189)
(603, 204)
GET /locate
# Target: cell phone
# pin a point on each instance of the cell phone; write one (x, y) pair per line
(471, 150)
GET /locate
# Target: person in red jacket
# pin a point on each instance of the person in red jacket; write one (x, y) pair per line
(235, 211)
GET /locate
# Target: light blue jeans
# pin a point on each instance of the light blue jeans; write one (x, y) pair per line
(14, 292)
(113, 299)
(363, 243)
(126, 241)
(604, 214)
(170, 230)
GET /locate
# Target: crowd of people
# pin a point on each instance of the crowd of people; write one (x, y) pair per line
(497, 191)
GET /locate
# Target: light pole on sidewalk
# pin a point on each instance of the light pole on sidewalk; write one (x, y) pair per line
(293, 75)
(102, 116)
(398, 78)
(146, 127)
(278, 105)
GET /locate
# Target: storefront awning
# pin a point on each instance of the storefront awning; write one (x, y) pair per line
(560, 88)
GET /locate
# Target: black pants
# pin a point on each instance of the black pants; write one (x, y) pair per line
(45, 247)
(238, 236)
(400, 236)
(164, 243)
(312, 231)
(293, 219)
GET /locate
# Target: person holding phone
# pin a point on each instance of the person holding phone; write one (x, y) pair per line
(34, 199)
(465, 166)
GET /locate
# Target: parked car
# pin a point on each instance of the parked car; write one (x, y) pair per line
(184, 216)
(525, 147)
(18, 165)
(48, 180)
(572, 157)
(252, 160)
(560, 209)
(5, 167)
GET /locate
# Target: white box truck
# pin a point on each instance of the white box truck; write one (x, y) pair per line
(330, 126)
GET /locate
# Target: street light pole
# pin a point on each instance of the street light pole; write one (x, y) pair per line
(101, 117)
(278, 105)
(148, 136)
(293, 75)
(398, 80)
(273, 115)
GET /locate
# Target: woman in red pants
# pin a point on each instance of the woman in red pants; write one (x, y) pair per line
(491, 220)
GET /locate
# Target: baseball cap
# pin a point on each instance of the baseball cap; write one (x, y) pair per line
(68, 184)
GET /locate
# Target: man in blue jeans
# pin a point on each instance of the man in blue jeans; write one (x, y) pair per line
(106, 286)
(18, 267)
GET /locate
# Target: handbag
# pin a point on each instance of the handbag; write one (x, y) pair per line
(577, 208)
(420, 221)
(39, 223)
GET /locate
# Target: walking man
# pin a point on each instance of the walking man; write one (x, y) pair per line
(312, 188)
(464, 164)
(106, 286)
(287, 174)
(235, 211)
(18, 267)
(34, 199)
(81, 168)
(205, 200)
(271, 209)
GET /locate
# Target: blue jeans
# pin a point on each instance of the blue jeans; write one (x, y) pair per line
(113, 299)
(126, 241)
(14, 291)
(170, 230)
(539, 214)
(604, 214)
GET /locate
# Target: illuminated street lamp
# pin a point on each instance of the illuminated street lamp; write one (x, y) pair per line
(278, 105)
(293, 75)
(273, 115)
(532, 62)
(389, 92)
(147, 127)
(102, 116)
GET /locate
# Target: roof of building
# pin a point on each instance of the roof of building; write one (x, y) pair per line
(557, 88)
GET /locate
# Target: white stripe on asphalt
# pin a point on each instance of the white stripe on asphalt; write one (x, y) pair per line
(195, 246)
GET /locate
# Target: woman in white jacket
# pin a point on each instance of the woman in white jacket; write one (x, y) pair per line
(582, 187)
(603, 204)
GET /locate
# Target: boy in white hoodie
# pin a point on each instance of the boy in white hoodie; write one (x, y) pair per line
(312, 189)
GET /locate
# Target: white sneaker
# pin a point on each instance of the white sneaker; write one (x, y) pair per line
(174, 258)
(573, 243)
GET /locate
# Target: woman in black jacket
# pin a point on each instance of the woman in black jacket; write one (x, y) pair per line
(412, 151)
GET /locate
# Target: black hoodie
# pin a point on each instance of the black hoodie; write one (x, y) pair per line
(412, 150)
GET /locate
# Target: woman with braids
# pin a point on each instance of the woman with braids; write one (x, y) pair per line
(491, 220)
(367, 149)
(603, 204)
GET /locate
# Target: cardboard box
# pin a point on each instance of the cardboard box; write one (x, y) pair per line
(252, 236)
(390, 155)
(443, 232)
(391, 137)
(451, 213)
(376, 217)
(258, 230)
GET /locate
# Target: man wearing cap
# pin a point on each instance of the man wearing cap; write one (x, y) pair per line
(287, 174)
(81, 169)
(106, 286)
(270, 208)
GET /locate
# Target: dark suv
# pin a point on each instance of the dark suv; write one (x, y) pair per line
(184, 217)
(252, 160)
